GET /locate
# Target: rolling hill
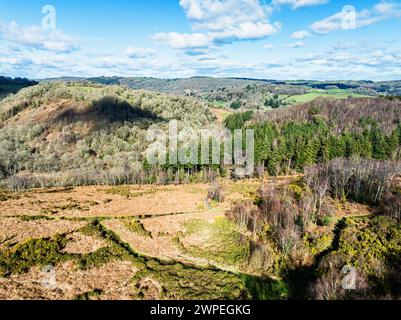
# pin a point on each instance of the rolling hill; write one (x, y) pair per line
(85, 133)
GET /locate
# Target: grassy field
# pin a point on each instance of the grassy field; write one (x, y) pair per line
(336, 94)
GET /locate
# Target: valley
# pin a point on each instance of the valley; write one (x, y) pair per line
(84, 216)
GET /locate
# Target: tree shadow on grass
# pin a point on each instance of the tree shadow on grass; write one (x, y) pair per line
(108, 110)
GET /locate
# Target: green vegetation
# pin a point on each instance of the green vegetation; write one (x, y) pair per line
(294, 145)
(289, 238)
(373, 247)
(98, 137)
(365, 241)
(332, 94)
(116, 249)
(221, 242)
(176, 281)
(298, 220)
(48, 251)
(11, 86)
(265, 289)
(137, 227)
(126, 192)
(69, 204)
(180, 282)
(274, 102)
(236, 105)
(238, 120)
(32, 252)
(111, 148)
(89, 295)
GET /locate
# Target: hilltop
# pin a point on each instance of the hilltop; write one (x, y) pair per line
(10, 86)
(85, 133)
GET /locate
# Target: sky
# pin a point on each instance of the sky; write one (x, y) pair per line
(263, 39)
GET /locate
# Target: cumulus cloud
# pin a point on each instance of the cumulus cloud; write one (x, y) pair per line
(300, 35)
(139, 53)
(219, 15)
(221, 21)
(349, 18)
(298, 44)
(295, 4)
(183, 40)
(38, 38)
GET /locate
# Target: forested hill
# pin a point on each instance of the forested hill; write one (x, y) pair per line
(10, 85)
(209, 84)
(62, 133)
(289, 139)
(221, 86)
(71, 101)
(84, 133)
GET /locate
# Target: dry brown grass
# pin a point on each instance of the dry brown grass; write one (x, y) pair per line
(98, 201)
(79, 243)
(112, 280)
(162, 210)
(13, 230)
(107, 202)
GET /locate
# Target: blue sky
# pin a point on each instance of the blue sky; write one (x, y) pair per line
(275, 39)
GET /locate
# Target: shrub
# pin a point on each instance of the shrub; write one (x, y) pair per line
(236, 105)
(360, 180)
(281, 214)
(246, 216)
(138, 228)
(391, 205)
(30, 253)
(215, 192)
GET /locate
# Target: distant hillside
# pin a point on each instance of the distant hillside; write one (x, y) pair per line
(85, 133)
(341, 113)
(10, 85)
(176, 86)
(254, 94)
(208, 84)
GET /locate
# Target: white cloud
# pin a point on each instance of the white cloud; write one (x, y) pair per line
(386, 7)
(221, 21)
(298, 44)
(295, 4)
(38, 38)
(352, 19)
(300, 35)
(374, 61)
(356, 55)
(221, 14)
(139, 53)
(246, 30)
(183, 40)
